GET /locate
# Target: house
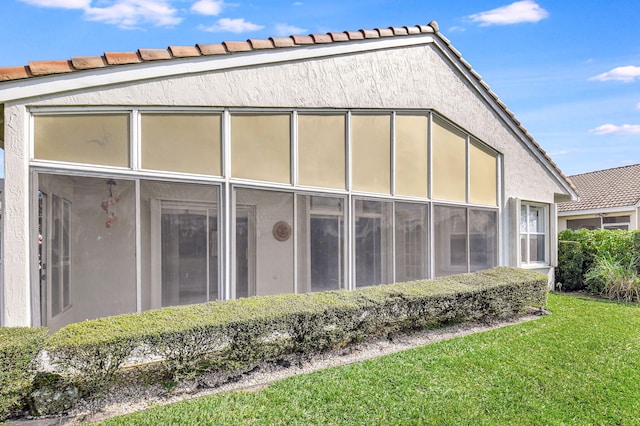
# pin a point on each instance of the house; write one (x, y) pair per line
(609, 199)
(162, 177)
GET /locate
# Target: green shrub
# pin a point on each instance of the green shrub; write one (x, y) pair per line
(595, 244)
(614, 278)
(569, 275)
(235, 335)
(19, 348)
(90, 353)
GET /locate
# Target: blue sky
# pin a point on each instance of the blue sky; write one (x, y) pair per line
(569, 70)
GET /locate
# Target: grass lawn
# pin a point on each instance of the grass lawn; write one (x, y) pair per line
(578, 366)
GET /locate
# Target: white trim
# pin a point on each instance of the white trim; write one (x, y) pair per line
(631, 209)
(80, 80)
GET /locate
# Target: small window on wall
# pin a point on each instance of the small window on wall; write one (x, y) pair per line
(261, 147)
(321, 150)
(371, 153)
(187, 143)
(533, 238)
(616, 222)
(83, 138)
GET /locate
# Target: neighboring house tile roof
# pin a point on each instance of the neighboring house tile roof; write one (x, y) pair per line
(602, 189)
(108, 59)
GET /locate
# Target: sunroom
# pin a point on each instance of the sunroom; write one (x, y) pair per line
(234, 171)
(301, 200)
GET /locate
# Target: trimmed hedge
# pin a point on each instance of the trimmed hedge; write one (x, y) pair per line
(19, 348)
(238, 334)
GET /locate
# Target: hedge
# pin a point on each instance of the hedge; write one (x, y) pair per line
(19, 348)
(236, 335)
(623, 246)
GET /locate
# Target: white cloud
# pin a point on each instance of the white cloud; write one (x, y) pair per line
(284, 30)
(297, 3)
(130, 14)
(208, 7)
(236, 26)
(457, 29)
(515, 13)
(638, 105)
(626, 74)
(612, 129)
(64, 4)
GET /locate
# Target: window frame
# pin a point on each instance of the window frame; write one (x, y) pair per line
(546, 234)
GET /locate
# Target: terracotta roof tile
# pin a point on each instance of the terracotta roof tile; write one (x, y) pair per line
(618, 187)
(399, 31)
(282, 41)
(88, 62)
(370, 33)
(184, 51)
(300, 39)
(258, 44)
(355, 35)
(412, 30)
(339, 36)
(237, 46)
(50, 67)
(385, 32)
(212, 49)
(122, 58)
(426, 28)
(14, 73)
(321, 38)
(154, 54)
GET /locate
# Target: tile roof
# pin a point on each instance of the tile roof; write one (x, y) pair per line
(608, 188)
(82, 63)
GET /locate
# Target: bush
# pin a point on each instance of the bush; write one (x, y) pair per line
(615, 244)
(236, 335)
(19, 348)
(614, 279)
(569, 275)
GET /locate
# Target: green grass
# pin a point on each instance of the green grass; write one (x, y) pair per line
(578, 366)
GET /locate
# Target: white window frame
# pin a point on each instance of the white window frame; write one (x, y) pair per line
(524, 206)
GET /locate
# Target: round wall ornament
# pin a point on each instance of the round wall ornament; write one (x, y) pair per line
(281, 231)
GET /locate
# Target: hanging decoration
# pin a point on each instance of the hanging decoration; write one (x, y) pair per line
(109, 204)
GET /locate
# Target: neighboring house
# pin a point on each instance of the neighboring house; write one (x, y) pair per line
(609, 199)
(331, 161)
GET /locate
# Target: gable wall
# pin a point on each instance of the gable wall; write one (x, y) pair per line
(412, 78)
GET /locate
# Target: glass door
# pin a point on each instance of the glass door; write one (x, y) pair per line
(189, 254)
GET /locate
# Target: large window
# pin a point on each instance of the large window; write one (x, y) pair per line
(88, 251)
(321, 150)
(321, 236)
(264, 242)
(260, 147)
(371, 153)
(83, 138)
(533, 238)
(411, 241)
(166, 208)
(373, 237)
(465, 239)
(192, 139)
